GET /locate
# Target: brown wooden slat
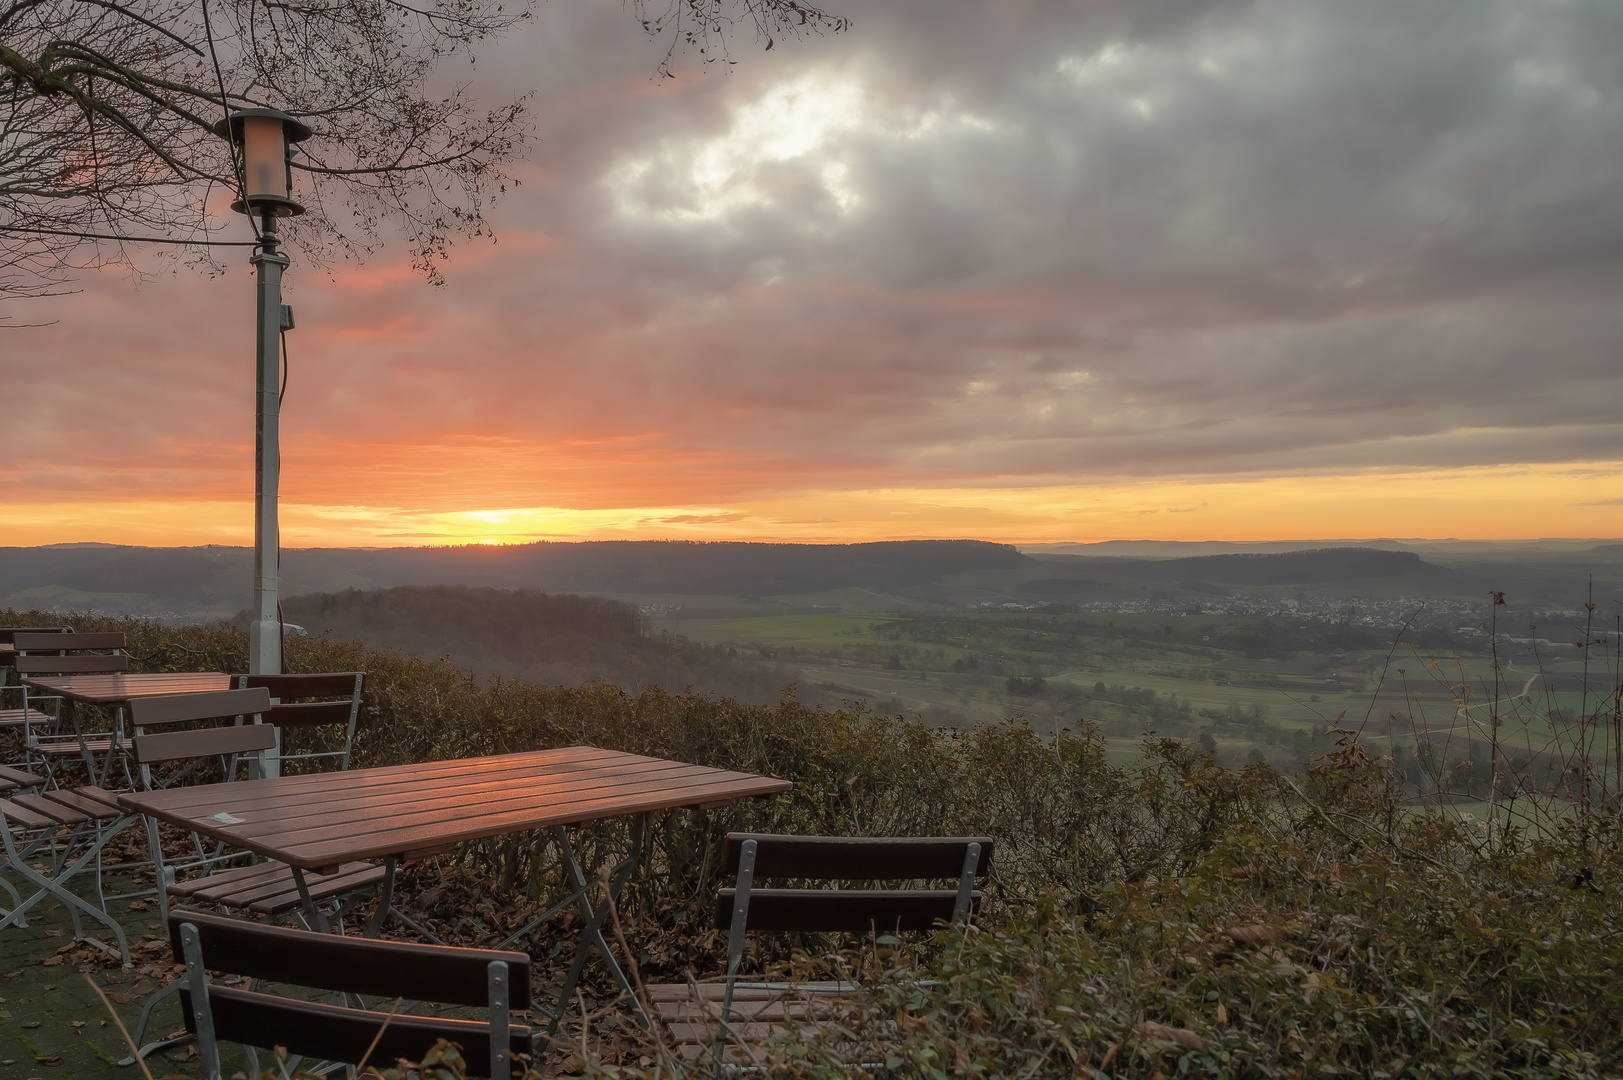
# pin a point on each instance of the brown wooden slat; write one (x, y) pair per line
(70, 748)
(382, 844)
(385, 792)
(308, 714)
(857, 858)
(28, 641)
(715, 991)
(276, 892)
(346, 844)
(393, 776)
(75, 799)
(17, 717)
(107, 798)
(23, 816)
(237, 876)
(853, 911)
(20, 777)
(406, 808)
(92, 664)
(8, 634)
(57, 812)
(439, 973)
(334, 1033)
(325, 819)
(204, 742)
(151, 710)
(119, 687)
(294, 687)
(288, 804)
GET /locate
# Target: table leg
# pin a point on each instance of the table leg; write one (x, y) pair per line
(592, 936)
(312, 911)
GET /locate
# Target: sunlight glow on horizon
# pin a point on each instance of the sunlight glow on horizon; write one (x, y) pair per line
(1480, 503)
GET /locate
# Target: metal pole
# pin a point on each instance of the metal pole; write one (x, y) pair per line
(265, 632)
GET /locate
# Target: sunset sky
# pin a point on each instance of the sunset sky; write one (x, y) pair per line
(1017, 271)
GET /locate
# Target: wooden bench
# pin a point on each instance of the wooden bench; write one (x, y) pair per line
(716, 1019)
(497, 982)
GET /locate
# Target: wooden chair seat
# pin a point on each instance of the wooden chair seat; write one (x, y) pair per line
(269, 888)
(11, 779)
(20, 717)
(691, 1017)
(72, 749)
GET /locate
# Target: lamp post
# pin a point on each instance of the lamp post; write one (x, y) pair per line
(265, 137)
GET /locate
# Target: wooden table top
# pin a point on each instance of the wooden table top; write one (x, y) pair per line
(320, 820)
(116, 689)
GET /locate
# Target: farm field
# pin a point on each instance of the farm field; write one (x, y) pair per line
(1247, 688)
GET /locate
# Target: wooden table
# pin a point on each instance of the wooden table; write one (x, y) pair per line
(114, 691)
(315, 822)
(117, 689)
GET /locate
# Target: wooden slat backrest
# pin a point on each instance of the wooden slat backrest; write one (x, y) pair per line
(204, 742)
(345, 684)
(857, 858)
(388, 969)
(308, 714)
(853, 911)
(209, 705)
(87, 664)
(57, 641)
(8, 634)
(334, 1033)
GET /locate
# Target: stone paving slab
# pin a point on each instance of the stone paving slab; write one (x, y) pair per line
(51, 1022)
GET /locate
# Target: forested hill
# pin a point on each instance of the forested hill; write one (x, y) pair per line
(561, 640)
(663, 566)
(215, 581)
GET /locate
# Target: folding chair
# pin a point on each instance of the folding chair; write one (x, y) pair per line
(697, 1027)
(307, 702)
(18, 717)
(69, 654)
(69, 827)
(266, 888)
(497, 982)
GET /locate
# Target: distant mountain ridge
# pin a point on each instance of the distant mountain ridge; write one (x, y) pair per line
(732, 579)
(215, 581)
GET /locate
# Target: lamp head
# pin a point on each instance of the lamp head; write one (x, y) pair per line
(266, 137)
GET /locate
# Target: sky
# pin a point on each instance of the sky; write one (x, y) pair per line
(1015, 271)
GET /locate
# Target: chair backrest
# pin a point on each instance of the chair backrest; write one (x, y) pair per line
(8, 634)
(844, 858)
(57, 653)
(850, 858)
(149, 748)
(497, 982)
(305, 701)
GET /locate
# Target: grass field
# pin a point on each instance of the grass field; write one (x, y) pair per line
(1252, 688)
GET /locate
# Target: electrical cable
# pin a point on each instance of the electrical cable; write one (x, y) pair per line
(130, 239)
(225, 103)
(282, 393)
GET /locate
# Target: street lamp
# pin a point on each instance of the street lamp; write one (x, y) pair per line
(265, 137)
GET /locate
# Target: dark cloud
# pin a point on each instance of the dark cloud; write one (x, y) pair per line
(974, 243)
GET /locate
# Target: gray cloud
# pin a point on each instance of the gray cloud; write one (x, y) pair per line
(1053, 241)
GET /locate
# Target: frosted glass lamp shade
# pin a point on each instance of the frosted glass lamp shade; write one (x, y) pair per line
(264, 136)
(264, 158)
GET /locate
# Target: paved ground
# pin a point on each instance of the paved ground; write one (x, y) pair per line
(54, 1025)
